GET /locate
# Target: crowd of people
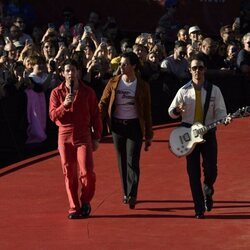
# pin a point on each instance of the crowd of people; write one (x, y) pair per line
(34, 66)
(31, 63)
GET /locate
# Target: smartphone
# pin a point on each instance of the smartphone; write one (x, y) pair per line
(87, 29)
(104, 40)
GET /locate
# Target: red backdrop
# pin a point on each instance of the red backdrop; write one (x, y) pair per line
(142, 15)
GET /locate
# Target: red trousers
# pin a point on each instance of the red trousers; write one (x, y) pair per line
(77, 166)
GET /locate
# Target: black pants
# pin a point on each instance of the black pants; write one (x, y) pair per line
(208, 151)
(127, 137)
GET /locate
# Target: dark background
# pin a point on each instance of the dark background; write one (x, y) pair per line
(135, 15)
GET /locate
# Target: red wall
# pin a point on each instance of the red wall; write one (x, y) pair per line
(134, 15)
(142, 15)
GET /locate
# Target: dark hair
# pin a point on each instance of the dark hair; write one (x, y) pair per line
(197, 56)
(224, 28)
(36, 59)
(70, 62)
(133, 59)
(126, 40)
(178, 44)
(18, 64)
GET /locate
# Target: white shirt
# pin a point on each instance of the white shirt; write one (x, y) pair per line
(186, 96)
(125, 107)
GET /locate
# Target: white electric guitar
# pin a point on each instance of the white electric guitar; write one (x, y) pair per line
(182, 140)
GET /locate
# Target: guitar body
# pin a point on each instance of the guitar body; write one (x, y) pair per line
(182, 140)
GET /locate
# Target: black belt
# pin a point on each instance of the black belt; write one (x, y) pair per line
(125, 121)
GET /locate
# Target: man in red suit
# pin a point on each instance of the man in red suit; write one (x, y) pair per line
(74, 109)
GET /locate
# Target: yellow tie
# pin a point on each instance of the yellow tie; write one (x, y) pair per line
(198, 115)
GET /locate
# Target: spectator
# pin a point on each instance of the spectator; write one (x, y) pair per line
(208, 49)
(14, 34)
(176, 64)
(125, 46)
(112, 32)
(194, 36)
(141, 51)
(161, 37)
(23, 37)
(111, 52)
(39, 76)
(11, 58)
(49, 49)
(182, 35)
(94, 21)
(230, 62)
(19, 78)
(243, 59)
(227, 37)
(159, 50)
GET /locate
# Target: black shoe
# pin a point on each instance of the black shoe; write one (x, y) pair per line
(125, 199)
(131, 202)
(208, 192)
(75, 216)
(85, 210)
(208, 202)
(199, 215)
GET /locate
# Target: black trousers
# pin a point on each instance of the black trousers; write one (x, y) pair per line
(127, 137)
(208, 152)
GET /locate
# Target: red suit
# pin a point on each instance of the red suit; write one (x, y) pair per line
(78, 126)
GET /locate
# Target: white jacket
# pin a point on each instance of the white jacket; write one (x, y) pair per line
(186, 96)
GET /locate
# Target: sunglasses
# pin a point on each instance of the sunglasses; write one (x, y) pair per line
(200, 68)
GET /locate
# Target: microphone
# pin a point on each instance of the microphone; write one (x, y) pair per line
(71, 88)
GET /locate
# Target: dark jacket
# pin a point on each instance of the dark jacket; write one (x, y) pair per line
(143, 103)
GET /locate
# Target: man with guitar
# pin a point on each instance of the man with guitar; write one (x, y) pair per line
(200, 101)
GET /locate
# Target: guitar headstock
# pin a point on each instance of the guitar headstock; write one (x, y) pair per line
(241, 112)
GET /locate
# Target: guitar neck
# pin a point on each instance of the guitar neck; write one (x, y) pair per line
(214, 124)
(241, 112)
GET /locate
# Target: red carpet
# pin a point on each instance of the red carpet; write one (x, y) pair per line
(33, 208)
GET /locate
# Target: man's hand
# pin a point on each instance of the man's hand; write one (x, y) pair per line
(180, 109)
(68, 101)
(228, 120)
(95, 144)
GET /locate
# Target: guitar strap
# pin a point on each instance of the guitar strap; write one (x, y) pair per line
(209, 87)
